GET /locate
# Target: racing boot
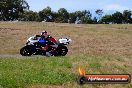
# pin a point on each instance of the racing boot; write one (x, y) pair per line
(48, 54)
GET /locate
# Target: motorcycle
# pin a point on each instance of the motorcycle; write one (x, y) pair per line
(33, 47)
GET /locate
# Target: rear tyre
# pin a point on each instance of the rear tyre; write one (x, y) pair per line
(62, 51)
(26, 51)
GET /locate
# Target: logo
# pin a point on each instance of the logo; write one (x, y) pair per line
(102, 78)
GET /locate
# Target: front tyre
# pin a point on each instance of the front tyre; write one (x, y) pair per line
(26, 51)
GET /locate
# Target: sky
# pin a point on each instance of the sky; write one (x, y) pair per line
(108, 6)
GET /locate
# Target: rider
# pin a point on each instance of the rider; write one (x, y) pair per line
(47, 41)
(44, 36)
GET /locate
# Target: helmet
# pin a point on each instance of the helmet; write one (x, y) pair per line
(43, 32)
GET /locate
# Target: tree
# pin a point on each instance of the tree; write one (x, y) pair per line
(106, 19)
(86, 17)
(72, 17)
(55, 17)
(46, 15)
(94, 20)
(126, 16)
(29, 16)
(79, 14)
(117, 17)
(11, 9)
(99, 12)
(63, 15)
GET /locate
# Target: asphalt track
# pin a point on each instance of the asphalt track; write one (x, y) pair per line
(19, 56)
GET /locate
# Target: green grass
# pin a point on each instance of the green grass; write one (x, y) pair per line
(26, 72)
(21, 72)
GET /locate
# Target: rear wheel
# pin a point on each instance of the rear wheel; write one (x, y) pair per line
(26, 51)
(62, 51)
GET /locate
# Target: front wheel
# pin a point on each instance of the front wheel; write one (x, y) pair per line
(26, 51)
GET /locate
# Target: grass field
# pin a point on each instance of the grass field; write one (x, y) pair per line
(100, 48)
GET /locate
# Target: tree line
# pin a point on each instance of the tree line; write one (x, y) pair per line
(11, 10)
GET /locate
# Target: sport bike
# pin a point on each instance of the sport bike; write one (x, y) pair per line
(32, 46)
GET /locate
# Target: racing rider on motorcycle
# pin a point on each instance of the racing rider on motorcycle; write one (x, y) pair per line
(45, 41)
